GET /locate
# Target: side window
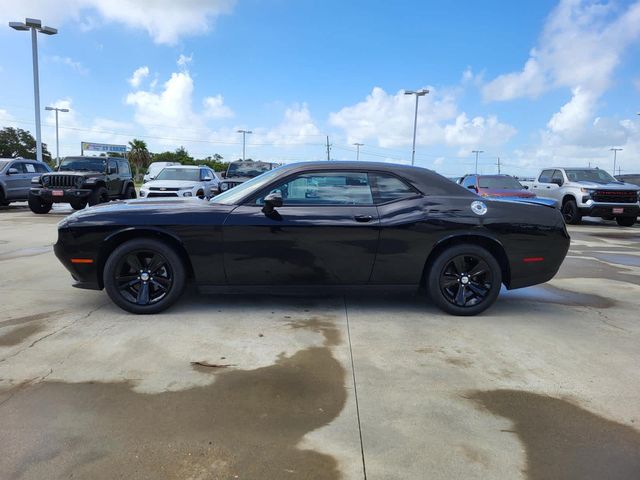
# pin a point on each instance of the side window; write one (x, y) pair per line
(113, 167)
(123, 166)
(557, 176)
(204, 173)
(389, 188)
(18, 166)
(29, 168)
(545, 176)
(469, 181)
(324, 188)
(41, 168)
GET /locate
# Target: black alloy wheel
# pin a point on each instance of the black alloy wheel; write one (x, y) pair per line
(626, 221)
(144, 276)
(38, 205)
(130, 193)
(570, 213)
(464, 280)
(99, 195)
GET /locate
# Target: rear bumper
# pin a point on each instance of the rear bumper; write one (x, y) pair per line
(67, 195)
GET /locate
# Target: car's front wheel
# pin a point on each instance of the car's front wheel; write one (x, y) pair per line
(38, 205)
(571, 213)
(144, 276)
(130, 192)
(626, 221)
(464, 280)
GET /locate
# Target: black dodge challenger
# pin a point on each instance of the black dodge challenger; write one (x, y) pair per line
(317, 226)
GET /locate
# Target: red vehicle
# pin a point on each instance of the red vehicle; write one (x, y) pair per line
(496, 186)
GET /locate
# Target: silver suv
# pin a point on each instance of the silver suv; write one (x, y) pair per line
(15, 178)
(589, 192)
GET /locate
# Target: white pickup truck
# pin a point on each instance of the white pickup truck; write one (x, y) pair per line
(589, 192)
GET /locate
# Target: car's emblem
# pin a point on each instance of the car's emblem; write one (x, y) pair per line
(479, 208)
(162, 188)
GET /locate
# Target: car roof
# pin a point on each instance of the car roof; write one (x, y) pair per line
(186, 166)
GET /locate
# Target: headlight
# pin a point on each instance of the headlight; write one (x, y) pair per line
(224, 186)
(45, 179)
(587, 190)
(186, 194)
(79, 182)
(190, 187)
(91, 180)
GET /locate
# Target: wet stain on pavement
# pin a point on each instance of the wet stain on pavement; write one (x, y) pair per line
(30, 318)
(247, 425)
(25, 252)
(551, 294)
(320, 325)
(563, 440)
(18, 335)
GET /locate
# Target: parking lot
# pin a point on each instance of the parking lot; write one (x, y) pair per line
(543, 385)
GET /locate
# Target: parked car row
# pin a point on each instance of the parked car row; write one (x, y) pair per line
(177, 181)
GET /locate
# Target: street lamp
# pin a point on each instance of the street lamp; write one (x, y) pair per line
(358, 145)
(244, 137)
(56, 109)
(418, 94)
(35, 26)
(615, 151)
(477, 152)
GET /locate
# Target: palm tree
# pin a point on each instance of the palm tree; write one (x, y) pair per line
(139, 155)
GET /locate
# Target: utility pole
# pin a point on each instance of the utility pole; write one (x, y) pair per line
(35, 26)
(418, 94)
(244, 140)
(328, 149)
(477, 152)
(615, 151)
(56, 109)
(358, 145)
(498, 165)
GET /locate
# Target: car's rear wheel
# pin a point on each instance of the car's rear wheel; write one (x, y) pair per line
(38, 205)
(626, 221)
(144, 276)
(130, 192)
(78, 204)
(464, 280)
(571, 213)
(99, 195)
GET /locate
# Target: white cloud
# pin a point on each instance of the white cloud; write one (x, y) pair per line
(581, 45)
(69, 62)
(215, 107)
(138, 75)
(575, 113)
(166, 21)
(297, 127)
(387, 120)
(184, 60)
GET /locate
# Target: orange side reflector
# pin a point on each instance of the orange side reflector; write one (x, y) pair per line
(81, 260)
(533, 259)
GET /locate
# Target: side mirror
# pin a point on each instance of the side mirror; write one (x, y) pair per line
(272, 201)
(12, 171)
(557, 181)
(472, 187)
(206, 179)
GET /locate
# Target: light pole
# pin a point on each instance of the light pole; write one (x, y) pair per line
(477, 152)
(615, 151)
(35, 26)
(358, 145)
(244, 137)
(56, 109)
(418, 94)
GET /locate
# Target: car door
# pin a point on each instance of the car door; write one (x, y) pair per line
(114, 184)
(326, 232)
(206, 184)
(15, 180)
(543, 186)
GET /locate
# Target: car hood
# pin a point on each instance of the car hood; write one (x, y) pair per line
(76, 173)
(171, 184)
(235, 179)
(148, 211)
(608, 186)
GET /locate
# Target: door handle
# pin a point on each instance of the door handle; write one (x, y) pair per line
(548, 187)
(363, 218)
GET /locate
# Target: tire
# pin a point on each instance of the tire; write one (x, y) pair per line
(37, 205)
(129, 193)
(571, 213)
(126, 286)
(78, 204)
(445, 282)
(200, 194)
(626, 221)
(99, 195)
(3, 201)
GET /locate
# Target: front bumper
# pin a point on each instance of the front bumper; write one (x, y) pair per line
(85, 275)
(68, 195)
(593, 209)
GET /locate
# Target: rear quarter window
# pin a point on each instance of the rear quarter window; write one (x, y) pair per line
(388, 188)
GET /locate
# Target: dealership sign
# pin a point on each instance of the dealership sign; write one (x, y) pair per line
(102, 147)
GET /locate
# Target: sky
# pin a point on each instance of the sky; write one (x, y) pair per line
(535, 83)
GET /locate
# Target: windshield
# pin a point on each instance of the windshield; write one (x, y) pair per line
(247, 169)
(233, 196)
(82, 164)
(589, 175)
(500, 183)
(188, 174)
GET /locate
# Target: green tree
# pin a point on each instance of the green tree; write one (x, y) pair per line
(15, 142)
(139, 156)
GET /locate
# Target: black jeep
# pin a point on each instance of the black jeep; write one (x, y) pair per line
(242, 170)
(82, 180)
